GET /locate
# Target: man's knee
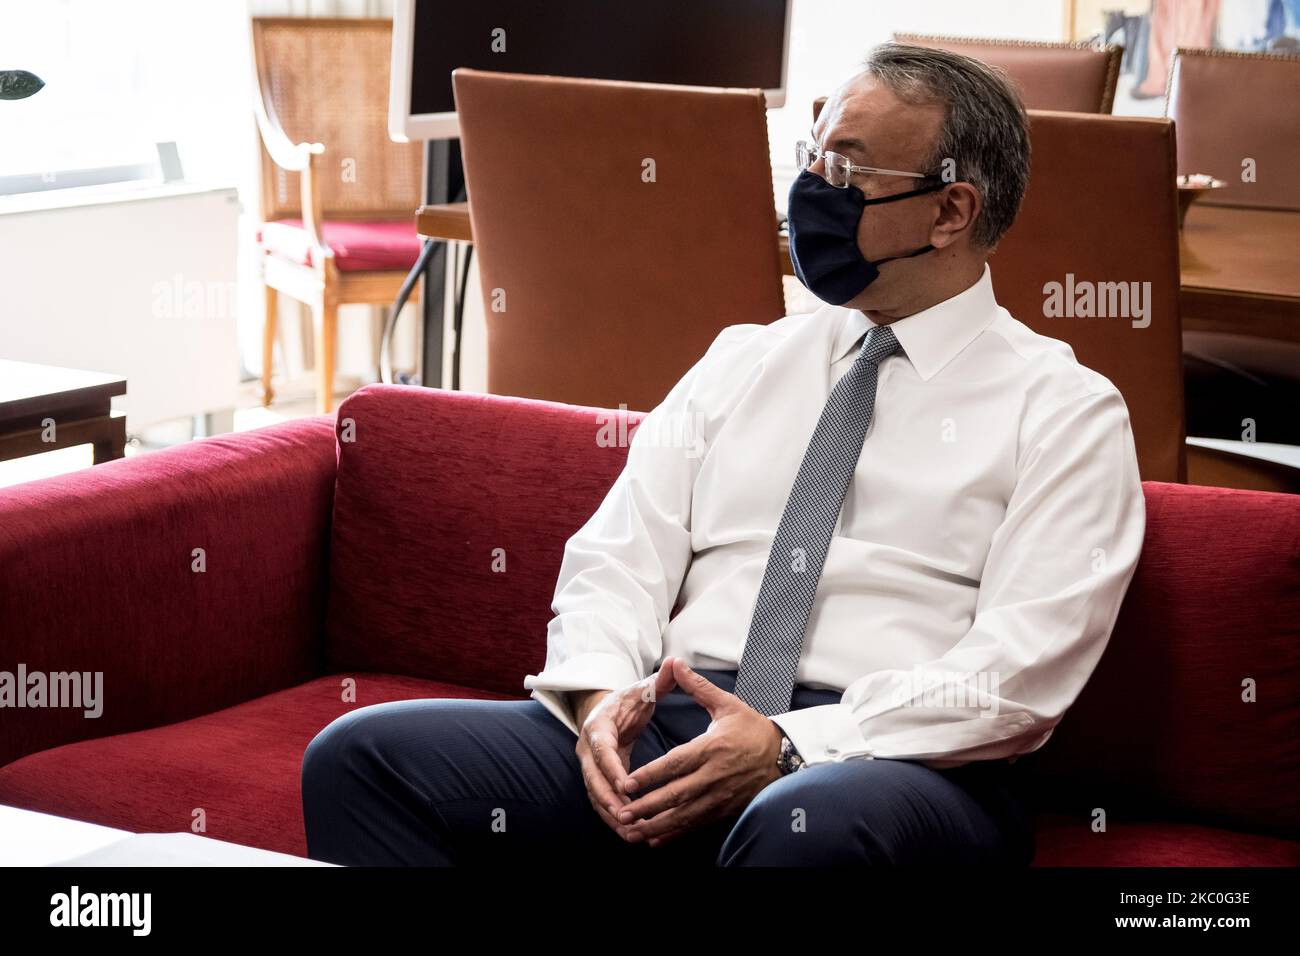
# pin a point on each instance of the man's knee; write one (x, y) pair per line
(863, 813)
(804, 820)
(429, 743)
(333, 749)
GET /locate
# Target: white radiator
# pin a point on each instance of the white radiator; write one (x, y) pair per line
(137, 281)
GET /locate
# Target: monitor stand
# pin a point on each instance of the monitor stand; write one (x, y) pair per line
(444, 182)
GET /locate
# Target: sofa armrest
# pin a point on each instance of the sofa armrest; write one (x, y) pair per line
(1194, 708)
(192, 579)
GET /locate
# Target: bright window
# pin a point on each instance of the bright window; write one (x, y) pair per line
(121, 76)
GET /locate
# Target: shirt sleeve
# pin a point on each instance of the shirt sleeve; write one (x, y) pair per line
(622, 570)
(1055, 576)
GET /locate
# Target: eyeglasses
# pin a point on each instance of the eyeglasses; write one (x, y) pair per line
(839, 168)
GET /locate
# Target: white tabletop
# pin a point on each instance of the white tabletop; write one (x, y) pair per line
(40, 839)
(1266, 451)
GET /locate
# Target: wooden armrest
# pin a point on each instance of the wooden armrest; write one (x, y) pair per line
(300, 158)
(283, 151)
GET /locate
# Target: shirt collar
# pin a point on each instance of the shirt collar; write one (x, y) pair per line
(932, 337)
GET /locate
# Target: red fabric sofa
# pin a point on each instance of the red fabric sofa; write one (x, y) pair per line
(369, 564)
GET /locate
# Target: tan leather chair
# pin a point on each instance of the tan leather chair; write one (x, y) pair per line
(612, 286)
(1102, 207)
(1077, 77)
(1230, 106)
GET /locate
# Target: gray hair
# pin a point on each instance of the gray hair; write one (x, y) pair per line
(985, 129)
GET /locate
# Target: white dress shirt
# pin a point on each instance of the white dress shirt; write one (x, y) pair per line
(984, 546)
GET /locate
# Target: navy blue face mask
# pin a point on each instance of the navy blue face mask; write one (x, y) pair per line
(824, 237)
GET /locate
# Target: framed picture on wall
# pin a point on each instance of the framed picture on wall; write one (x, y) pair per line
(1148, 30)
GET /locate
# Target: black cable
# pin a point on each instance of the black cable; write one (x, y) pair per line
(386, 340)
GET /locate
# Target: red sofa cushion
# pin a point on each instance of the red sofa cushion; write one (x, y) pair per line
(1064, 840)
(241, 765)
(433, 485)
(96, 575)
(374, 246)
(1161, 730)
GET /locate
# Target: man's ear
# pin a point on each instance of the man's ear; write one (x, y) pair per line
(959, 207)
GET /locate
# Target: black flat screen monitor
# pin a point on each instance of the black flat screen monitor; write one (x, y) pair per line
(719, 43)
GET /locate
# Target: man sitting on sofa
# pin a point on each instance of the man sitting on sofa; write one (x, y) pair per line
(878, 563)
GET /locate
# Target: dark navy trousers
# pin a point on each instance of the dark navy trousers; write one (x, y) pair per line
(478, 782)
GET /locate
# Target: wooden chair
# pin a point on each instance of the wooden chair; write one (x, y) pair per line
(338, 196)
(1075, 77)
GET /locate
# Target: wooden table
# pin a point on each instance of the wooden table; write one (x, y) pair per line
(449, 221)
(1241, 272)
(1240, 267)
(44, 408)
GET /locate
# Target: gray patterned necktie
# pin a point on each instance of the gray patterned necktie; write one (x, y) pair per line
(766, 674)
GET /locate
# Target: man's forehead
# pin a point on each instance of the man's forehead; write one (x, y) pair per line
(864, 114)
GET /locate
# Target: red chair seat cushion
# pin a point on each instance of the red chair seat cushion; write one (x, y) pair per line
(378, 246)
(1068, 840)
(242, 765)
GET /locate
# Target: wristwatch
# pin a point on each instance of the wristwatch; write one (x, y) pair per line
(788, 760)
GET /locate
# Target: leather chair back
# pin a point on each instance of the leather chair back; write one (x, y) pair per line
(1230, 107)
(619, 227)
(1075, 77)
(1102, 208)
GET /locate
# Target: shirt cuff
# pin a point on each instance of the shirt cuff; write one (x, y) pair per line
(825, 733)
(583, 672)
(558, 703)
